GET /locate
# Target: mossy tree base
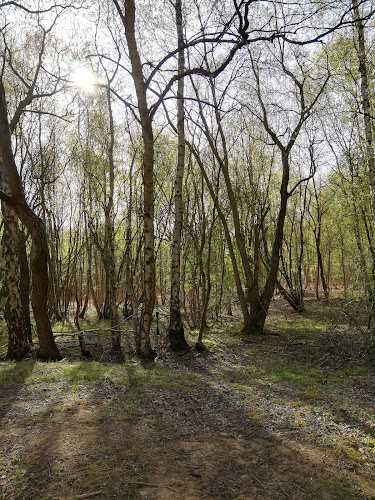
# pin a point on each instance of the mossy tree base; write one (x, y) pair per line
(148, 355)
(17, 354)
(200, 347)
(253, 329)
(177, 340)
(46, 358)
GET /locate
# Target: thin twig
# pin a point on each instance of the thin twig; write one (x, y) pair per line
(293, 342)
(153, 485)
(299, 487)
(259, 481)
(89, 495)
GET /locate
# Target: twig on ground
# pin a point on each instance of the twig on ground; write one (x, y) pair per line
(259, 481)
(89, 495)
(290, 344)
(299, 487)
(153, 485)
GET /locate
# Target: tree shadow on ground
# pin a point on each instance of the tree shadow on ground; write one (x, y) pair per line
(12, 378)
(158, 434)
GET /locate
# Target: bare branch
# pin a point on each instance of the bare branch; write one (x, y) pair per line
(40, 11)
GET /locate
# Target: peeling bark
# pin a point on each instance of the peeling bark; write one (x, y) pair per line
(18, 342)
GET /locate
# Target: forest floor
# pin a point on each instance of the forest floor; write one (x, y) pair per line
(289, 415)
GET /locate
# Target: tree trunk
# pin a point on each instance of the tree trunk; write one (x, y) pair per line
(39, 250)
(228, 238)
(367, 119)
(81, 338)
(88, 271)
(53, 300)
(129, 288)
(361, 253)
(223, 162)
(176, 330)
(18, 343)
(259, 303)
(149, 277)
(95, 299)
(110, 308)
(320, 266)
(24, 283)
(206, 278)
(317, 234)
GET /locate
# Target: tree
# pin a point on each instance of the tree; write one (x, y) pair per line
(291, 268)
(317, 212)
(144, 348)
(260, 300)
(39, 251)
(366, 107)
(176, 329)
(16, 199)
(18, 343)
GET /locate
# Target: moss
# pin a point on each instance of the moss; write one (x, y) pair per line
(241, 387)
(341, 490)
(369, 443)
(85, 371)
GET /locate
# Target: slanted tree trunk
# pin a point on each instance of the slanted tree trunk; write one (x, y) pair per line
(224, 166)
(81, 337)
(54, 282)
(95, 299)
(358, 239)
(176, 329)
(129, 290)
(259, 303)
(318, 236)
(88, 246)
(291, 268)
(39, 250)
(227, 233)
(320, 271)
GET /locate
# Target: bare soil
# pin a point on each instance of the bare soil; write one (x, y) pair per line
(209, 426)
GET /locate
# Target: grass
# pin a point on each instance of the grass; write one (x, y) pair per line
(276, 381)
(16, 372)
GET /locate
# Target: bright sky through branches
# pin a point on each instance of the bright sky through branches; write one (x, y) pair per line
(83, 78)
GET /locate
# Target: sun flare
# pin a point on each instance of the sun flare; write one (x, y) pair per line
(83, 78)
